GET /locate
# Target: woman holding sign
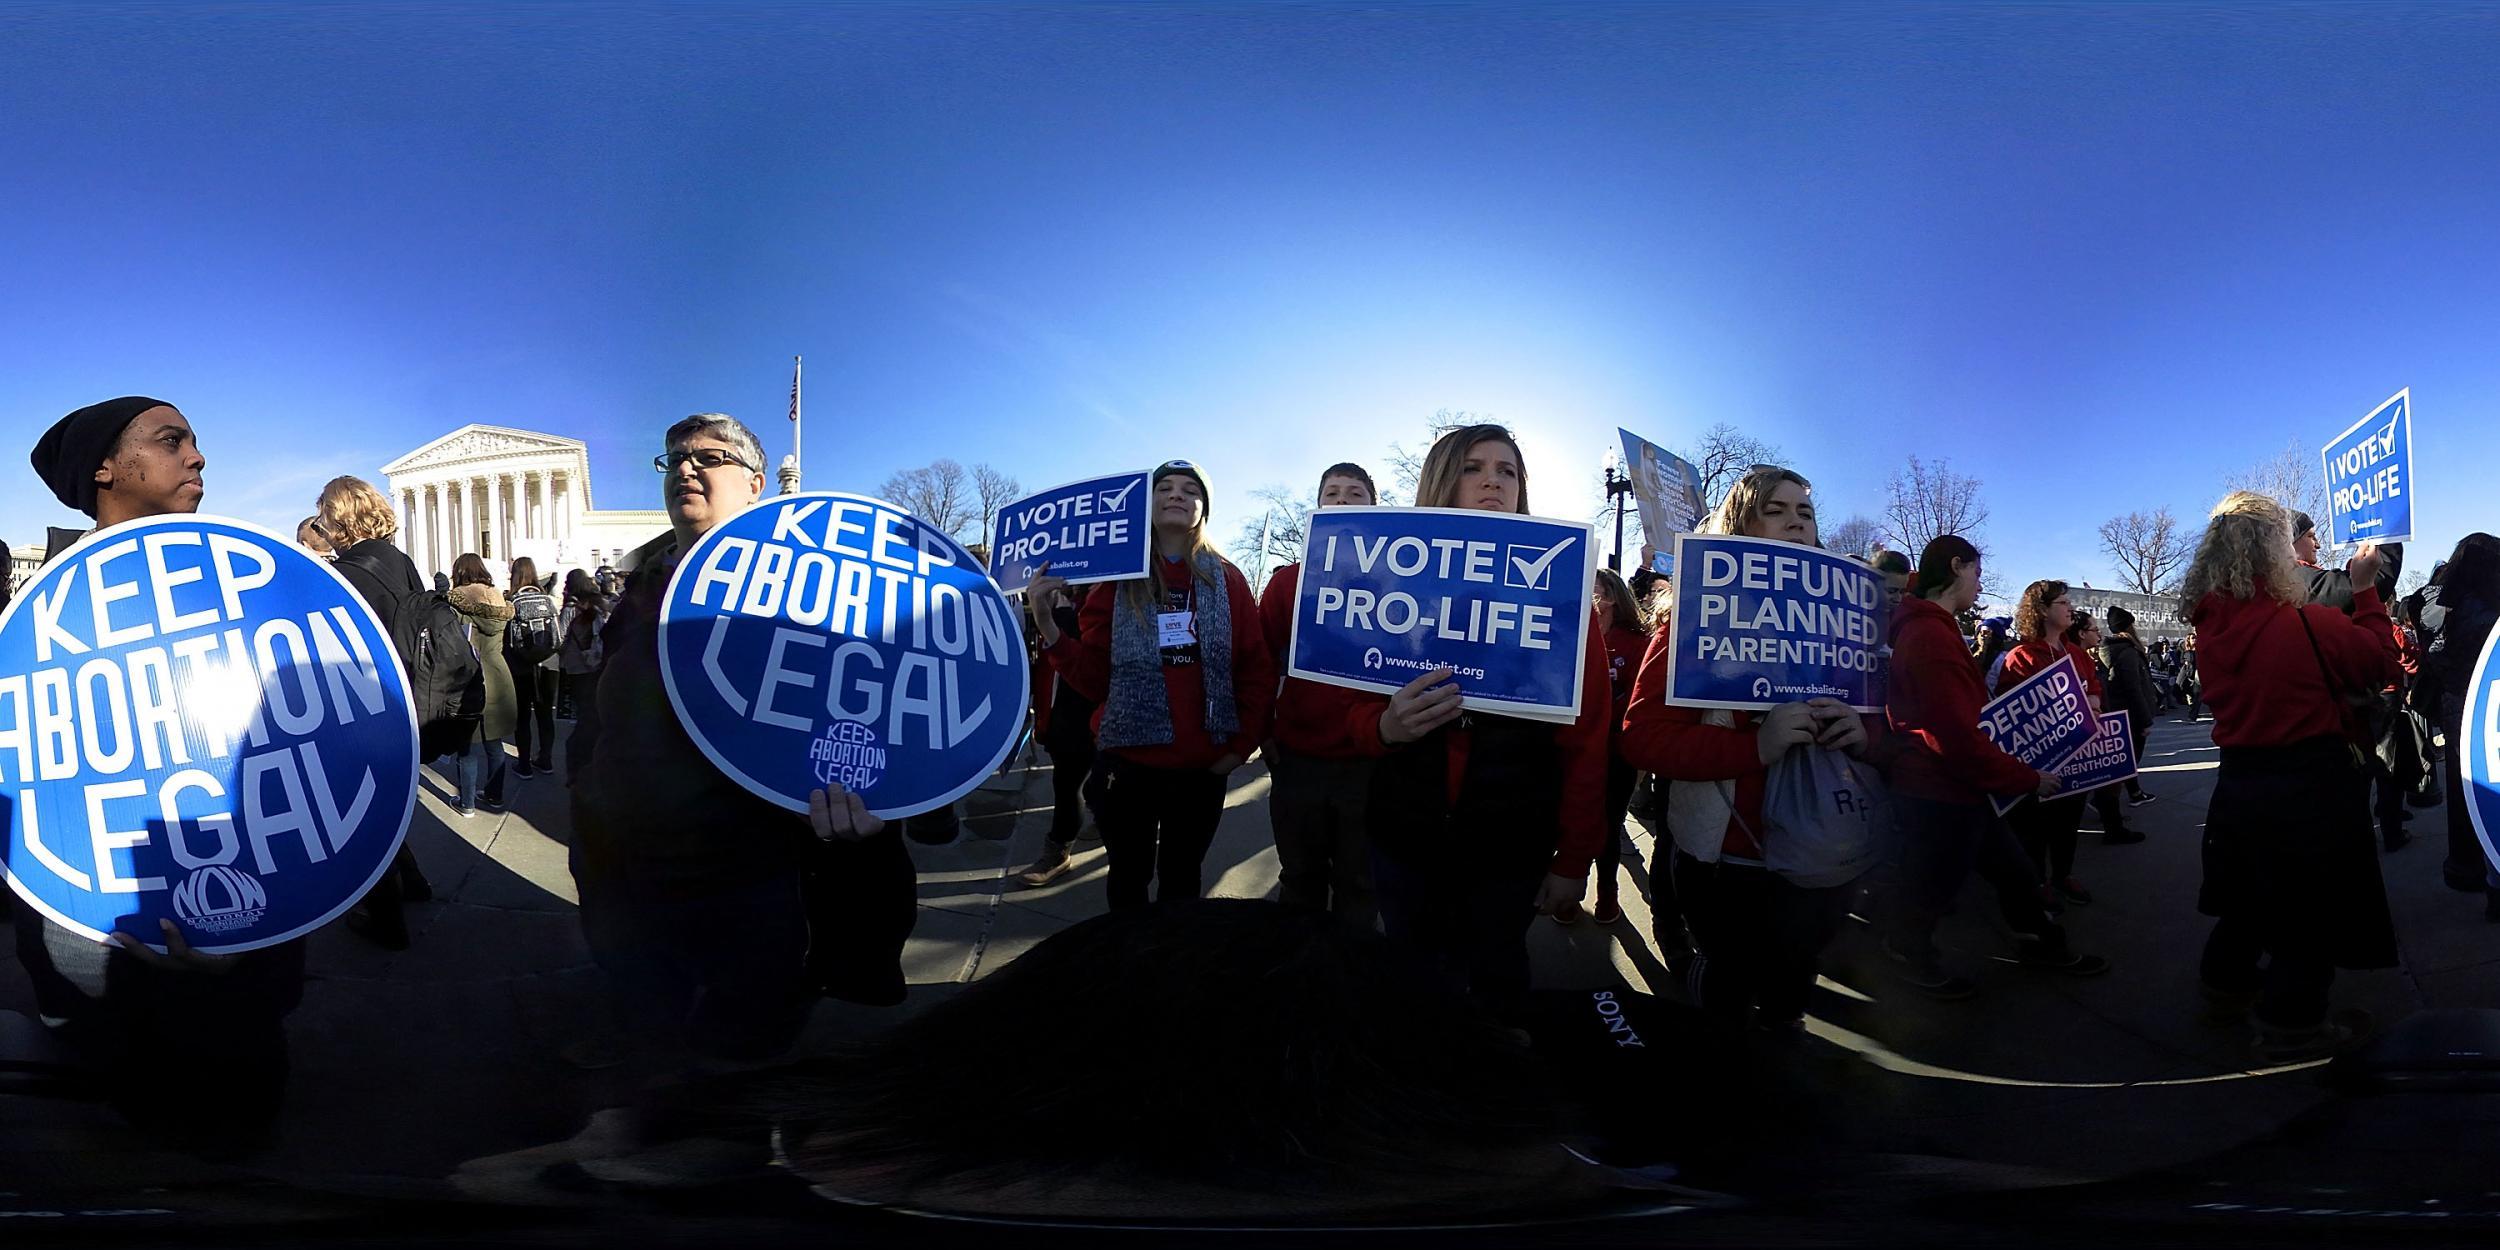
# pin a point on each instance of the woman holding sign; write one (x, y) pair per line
(2042, 621)
(2291, 864)
(1943, 779)
(1181, 672)
(1756, 934)
(1478, 822)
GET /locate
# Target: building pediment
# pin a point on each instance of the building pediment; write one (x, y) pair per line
(471, 443)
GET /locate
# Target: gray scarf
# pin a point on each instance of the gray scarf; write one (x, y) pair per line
(1138, 712)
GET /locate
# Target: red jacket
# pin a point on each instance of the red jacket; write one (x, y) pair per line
(2263, 681)
(1310, 716)
(1673, 742)
(1934, 702)
(1624, 651)
(1354, 719)
(2030, 657)
(1084, 660)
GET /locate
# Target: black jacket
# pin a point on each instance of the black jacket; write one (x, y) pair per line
(2130, 679)
(2333, 587)
(1505, 819)
(382, 573)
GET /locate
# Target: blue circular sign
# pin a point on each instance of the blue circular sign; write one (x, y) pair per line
(827, 638)
(2478, 754)
(201, 722)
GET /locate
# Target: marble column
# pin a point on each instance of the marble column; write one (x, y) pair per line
(502, 552)
(404, 503)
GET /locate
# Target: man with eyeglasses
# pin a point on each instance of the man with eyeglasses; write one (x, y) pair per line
(690, 886)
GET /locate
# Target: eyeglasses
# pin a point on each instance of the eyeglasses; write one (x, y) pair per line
(703, 458)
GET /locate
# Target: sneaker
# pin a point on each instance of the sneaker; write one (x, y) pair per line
(2340, 1032)
(2072, 963)
(1567, 914)
(1053, 865)
(524, 771)
(1929, 977)
(1607, 911)
(2139, 798)
(2124, 837)
(2073, 892)
(2049, 900)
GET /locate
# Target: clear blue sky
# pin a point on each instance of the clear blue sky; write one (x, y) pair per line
(2100, 256)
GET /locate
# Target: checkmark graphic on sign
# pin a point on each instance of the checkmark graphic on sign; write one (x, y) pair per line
(1117, 499)
(1532, 568)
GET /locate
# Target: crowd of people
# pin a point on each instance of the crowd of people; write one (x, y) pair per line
(719, 918)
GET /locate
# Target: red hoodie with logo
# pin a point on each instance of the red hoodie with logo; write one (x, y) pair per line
(1084, 660)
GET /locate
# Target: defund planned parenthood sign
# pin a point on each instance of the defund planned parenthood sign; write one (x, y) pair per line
(1095, 530)
(825, 638)
(2109, 758)
(1389, 594)
(2369, 476)
(199, 722)
(1759, 623)
(2043, 721)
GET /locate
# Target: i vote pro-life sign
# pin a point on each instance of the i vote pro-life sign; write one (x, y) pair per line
(2369, 476)
(1090, 531)
(2042, 722)
(1389, 594)
(1759, 623)
(199, 722)
(826, 638)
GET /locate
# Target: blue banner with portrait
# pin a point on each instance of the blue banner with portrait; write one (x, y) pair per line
(1669, 491)
(1095, 530)
(1389, 594)
(1758, 623)
(199, 722)
(825, 638)
(2043, 721)
(2369, 476)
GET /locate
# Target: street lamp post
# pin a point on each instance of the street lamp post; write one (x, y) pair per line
(1618, 485)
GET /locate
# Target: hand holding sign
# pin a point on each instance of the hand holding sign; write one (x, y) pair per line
(2050, 783)
(1041, 598)
(2364, 566)
(178, 955)
(839, 815)
(1419, 707)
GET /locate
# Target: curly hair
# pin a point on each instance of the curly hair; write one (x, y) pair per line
(2031, 616)
(1745, 499)
(352, 511)
(2247, 548)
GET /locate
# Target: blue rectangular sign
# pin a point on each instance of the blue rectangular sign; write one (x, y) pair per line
(1090, 531)
(1389, 594)
(2369, 476)
(2104, 761)
(2041, 722)
(1669, 491)
(1759, 623)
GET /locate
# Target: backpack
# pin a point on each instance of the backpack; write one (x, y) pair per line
(531, 637)
(445, 680)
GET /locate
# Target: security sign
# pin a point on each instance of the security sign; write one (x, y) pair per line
(199, 722)
(825, 639)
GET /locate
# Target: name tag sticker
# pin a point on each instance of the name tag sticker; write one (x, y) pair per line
(1177, 629)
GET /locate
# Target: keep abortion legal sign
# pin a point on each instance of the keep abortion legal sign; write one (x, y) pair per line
(1095, 530)
(1759, 623)
(826, 638)
(2478, 754)
(2043, 721)
(199, 722)
(1389, 594)
(2369, 476)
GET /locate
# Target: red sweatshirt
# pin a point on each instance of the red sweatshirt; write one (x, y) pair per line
(1624, 649)
(2263, 681)
(1310, 716)
(1673, 742)
(1353, 716)
(1085, 661)
(2030, 657)
(1934, 702)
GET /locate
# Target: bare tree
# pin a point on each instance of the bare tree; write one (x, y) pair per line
(1926, 501)
(1408, 466)
(1856, 536)
(1273, 538)
(2294, 478)
(1724, 454)
(940, 494)
(2149, 549)
(992, 491)
(2415, 577)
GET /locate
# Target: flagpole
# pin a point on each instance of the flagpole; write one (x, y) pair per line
(795, 426)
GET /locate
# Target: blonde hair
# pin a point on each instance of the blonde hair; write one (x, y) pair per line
(352, 511)
(1140, 591)
(2247, 548)
(1745, 499)
(1437, 485)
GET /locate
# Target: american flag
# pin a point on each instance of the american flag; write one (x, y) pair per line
(794, 389)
